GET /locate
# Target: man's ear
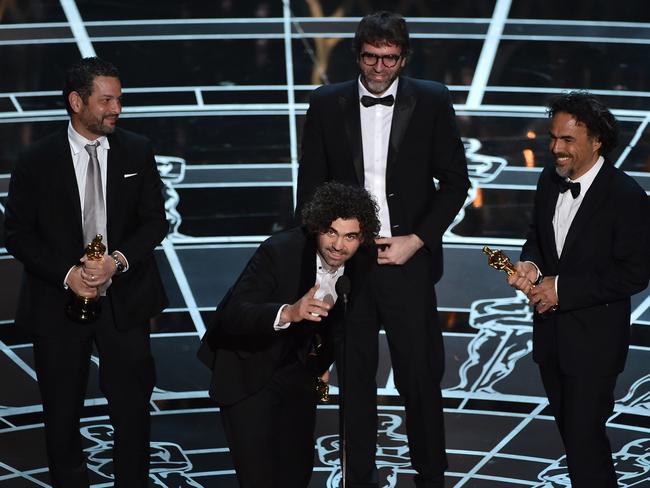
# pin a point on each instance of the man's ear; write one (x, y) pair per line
(597, 144)
(75, 101)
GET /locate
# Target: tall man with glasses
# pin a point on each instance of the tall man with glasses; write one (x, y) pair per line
(393, 135)
(89, 178)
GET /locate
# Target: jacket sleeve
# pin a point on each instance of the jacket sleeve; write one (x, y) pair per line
(250, 309)
(530, 250)
(22, 233)
(625, 272)
(313, 168)
(152, 224)
(449, 167)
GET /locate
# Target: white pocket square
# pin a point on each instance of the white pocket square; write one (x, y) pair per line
(128, 175)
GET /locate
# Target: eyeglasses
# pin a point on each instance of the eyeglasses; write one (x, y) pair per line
(388, 60)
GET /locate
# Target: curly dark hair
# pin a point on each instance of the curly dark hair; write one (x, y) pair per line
(333, 200)
(81, 75)
(590, 111)
(383, 27)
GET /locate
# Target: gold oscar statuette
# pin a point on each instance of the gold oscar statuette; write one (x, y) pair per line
(323, 390)
(498, 260)
(82, 309)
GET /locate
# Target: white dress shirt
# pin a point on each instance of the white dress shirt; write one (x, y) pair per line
(567, 207)
(80, 160)
(376, 123)
(326, 278)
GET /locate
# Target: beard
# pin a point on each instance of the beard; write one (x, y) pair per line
(334, 261)
(378, 87)
(101, 130)
(98, 127)
(565, 171)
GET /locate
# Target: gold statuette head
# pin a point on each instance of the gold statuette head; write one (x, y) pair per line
(96, 250)
(498, 260)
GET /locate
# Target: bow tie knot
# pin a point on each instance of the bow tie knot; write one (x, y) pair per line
(367, 101)
(568, 185)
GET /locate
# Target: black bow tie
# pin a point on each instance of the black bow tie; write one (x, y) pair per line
(367, 101)
(567, 185)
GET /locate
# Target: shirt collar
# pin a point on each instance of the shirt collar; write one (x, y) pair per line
(392, 89)
(78, 142)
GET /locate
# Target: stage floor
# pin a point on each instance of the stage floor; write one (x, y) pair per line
(221, 88)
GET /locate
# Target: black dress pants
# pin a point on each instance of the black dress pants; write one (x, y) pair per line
(126, 378)
(271, 433)
(402, 300)
(581, 406)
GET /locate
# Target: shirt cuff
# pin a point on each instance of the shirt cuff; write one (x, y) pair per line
(276, 324)
(65, 280)
(126, 261)
(556, 293)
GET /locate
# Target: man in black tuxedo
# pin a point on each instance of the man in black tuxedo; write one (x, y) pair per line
(90, 178)
(392, 135)
(587, 253)
(276, 331)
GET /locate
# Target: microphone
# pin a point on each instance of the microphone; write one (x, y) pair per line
(343, 287)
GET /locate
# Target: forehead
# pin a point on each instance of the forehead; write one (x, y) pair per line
(346, 226)
(106, 85)
(381, 47)
(566, 123)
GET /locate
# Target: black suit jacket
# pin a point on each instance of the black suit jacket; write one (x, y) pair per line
(424, 144)
(44, 230)
(241, 347)
(604, 261)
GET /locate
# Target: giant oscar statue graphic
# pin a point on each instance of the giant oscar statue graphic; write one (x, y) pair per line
(83, 309)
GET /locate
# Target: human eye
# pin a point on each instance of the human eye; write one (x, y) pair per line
(331, 233)
(351, 237)
(369, 58)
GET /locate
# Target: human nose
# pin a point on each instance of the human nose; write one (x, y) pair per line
(338, 243)
(116, 106)
(379, 65)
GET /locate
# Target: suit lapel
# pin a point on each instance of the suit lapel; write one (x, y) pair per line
(63, 158)
(349, 105)
(404, 106)
(594, 198)
(114, 180)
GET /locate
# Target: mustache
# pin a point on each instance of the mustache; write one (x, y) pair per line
(561, 155)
